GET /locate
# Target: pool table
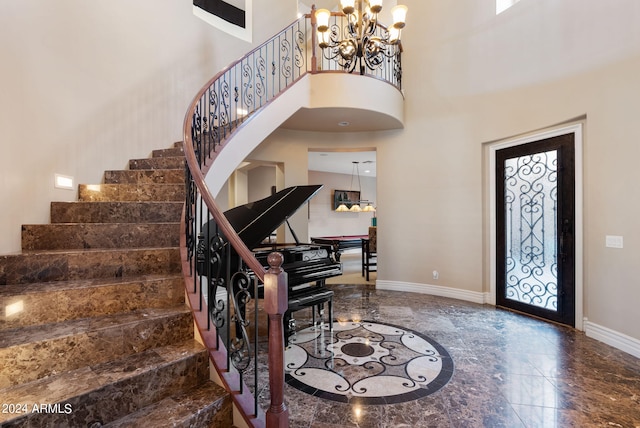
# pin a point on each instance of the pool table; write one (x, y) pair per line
(341, 243)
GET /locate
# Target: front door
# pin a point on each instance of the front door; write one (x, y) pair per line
(535, 213)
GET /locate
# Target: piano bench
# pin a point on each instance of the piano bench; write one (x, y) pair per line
(312, 298)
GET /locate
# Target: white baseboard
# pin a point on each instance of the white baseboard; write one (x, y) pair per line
(434, 290)
(613, 338)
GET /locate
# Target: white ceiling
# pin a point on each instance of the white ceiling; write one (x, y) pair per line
(337, 119)
(342, 162)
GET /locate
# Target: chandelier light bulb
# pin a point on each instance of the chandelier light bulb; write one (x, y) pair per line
(322, 17)
(323, 39)
(348, 6)
(399, 13)
(375, 6)
(394, 35)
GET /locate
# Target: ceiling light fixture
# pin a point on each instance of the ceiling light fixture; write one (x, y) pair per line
(355, 205)
(364, 43)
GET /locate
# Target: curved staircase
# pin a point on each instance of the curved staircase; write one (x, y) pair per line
(94, 330)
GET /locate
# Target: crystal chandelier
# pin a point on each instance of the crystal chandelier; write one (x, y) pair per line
(364, 43)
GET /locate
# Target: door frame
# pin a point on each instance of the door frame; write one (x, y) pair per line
(575, 129)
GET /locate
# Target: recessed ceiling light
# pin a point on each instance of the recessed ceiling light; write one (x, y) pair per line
(343, 123)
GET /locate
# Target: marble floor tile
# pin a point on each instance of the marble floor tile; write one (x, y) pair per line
(509, 370)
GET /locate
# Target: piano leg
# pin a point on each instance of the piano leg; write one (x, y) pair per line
(289, 324)
(320, 309)
(330, 304)
(313, 315)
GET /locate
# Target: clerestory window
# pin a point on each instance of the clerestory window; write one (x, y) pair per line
(502, 5)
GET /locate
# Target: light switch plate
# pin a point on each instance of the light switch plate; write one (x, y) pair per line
(613, 241)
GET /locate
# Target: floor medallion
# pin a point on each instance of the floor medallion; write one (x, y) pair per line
(371, 362)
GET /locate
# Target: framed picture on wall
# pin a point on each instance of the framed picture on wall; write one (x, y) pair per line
(347, 197)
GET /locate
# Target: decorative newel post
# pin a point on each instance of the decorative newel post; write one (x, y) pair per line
(275, 304)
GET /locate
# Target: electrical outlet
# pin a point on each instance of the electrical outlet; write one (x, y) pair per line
(613, 241)
(436, 275)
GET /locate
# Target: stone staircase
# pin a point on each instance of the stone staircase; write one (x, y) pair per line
(94, 330)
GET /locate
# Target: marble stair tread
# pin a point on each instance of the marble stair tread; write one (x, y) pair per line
(34, 352)
(116, 212)
(70, 236)
(110, 390)
(50, 302)
(64, 265)
(131, 192)
(206, 405)
(149, 176)
(173, 162)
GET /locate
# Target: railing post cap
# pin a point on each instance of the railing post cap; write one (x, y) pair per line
(275, 261)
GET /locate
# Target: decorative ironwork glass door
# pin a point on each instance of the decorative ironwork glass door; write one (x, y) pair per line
(535, 228)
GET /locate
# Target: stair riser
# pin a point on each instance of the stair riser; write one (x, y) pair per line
(75, 265)
(87, 345)
(53, 304)
(164, 153)
(158, 163)
(143, 176)
(116, 212)
(206, 406)
(99, 235)
(110, 396)
(131, 192)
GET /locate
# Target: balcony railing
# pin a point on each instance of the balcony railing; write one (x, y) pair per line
(222, 275)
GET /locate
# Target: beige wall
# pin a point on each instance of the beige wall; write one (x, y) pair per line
(85, 86)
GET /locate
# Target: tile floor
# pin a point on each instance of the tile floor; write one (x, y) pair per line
(509, 370)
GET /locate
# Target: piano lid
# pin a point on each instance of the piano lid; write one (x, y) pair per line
(255, 221)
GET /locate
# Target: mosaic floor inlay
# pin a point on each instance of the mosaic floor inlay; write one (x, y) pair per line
(371, 362)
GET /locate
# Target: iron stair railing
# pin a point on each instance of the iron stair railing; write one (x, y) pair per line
(220, 301)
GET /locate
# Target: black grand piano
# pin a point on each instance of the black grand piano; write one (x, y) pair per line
(307, 265)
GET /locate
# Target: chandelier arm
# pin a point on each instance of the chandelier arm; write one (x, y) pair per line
(332, 53)
(390, 52)
(350, 65)
(370, 29)
(352, 27)
(373, 62)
